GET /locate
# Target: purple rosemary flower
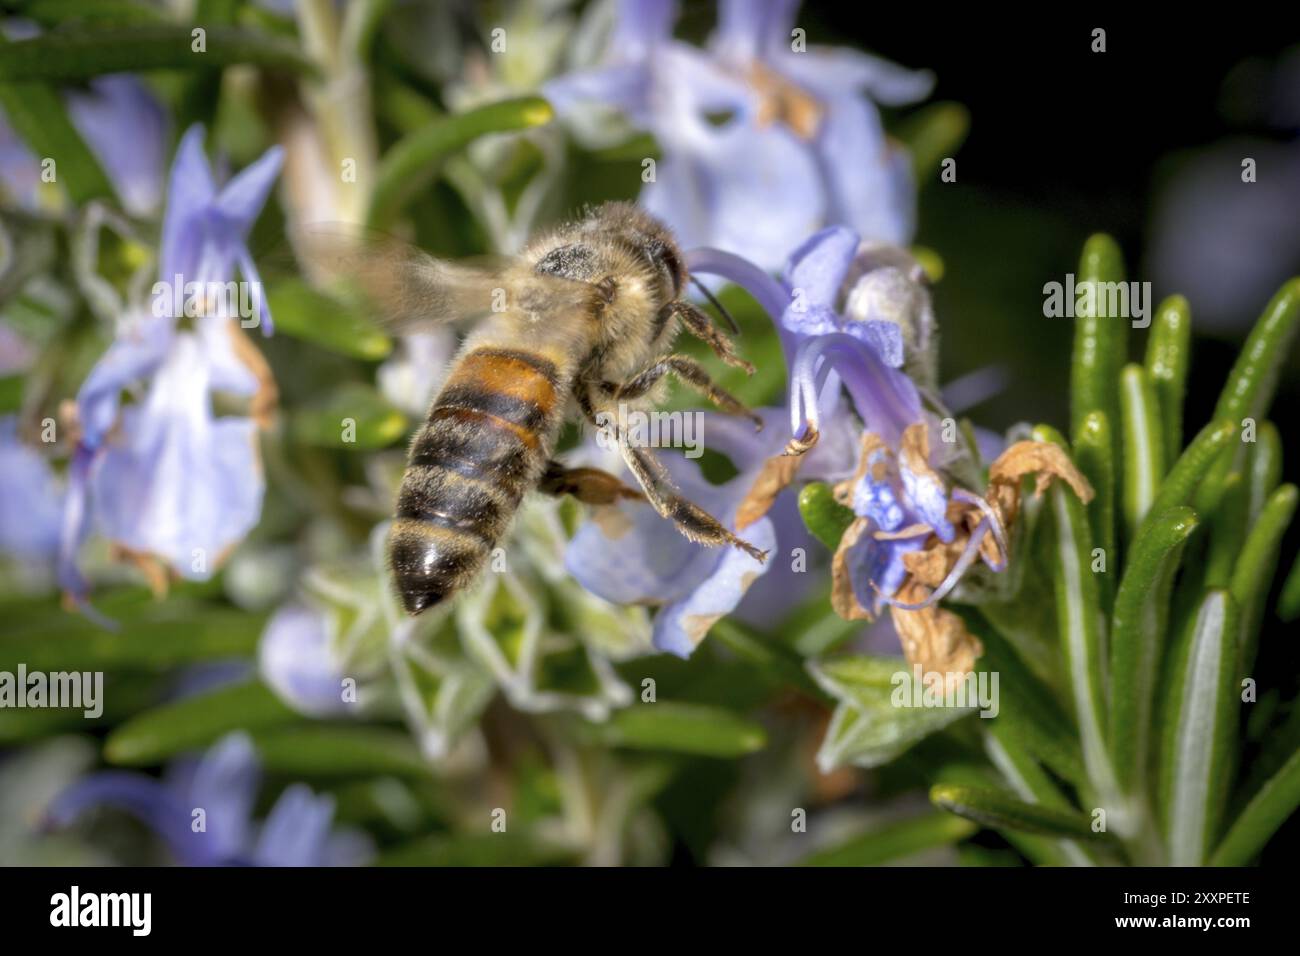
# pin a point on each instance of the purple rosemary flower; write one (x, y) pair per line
(203, 811)
(125, 128)
(164, 478)
(31, 499)
(629, 554)
(853, 317)
(764, 139)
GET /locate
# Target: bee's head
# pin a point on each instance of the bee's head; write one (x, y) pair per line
(649, 239)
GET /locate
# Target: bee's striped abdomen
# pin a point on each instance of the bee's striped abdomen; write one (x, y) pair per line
(484, 444)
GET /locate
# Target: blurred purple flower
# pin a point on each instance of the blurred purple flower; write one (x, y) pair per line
(629, 554)
(165, 477)
(296, 658)
(799, 143)
(124, 126)
(223, 785)
(31, 498)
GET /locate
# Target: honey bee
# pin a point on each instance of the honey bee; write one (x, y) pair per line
(582, 320)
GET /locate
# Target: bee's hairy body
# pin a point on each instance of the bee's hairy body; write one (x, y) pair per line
(491, 430)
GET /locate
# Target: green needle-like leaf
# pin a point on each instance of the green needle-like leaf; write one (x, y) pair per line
(825, 517)
(1263, 468)
(1168, 358)
(1192, 466)
(305, 313)
(992, 808)
(1031, 715)
(60, 13)
(164, 635)
(1253, 570)
(683, 728)
(1138, 636)
(1031, 783)
(896, 841)
(333, 750)
(1227, 530)
(1081, 626)
(1266, 812)
(1288, 602)
(1094, 453)
(932, 134)
(72, 55)
(413, 160)
(1144, 450)
(195, 722)
(1100, 339)
(354, 417)
(1199, 730)
(36, 113)
(1253, 379)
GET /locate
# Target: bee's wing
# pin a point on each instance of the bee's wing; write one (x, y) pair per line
(406, 289)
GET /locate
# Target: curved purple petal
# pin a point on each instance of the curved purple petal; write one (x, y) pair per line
(145, 798)
(241, 199)
(680, 626)
(817, 267)
(225, 785)
(297, 831)
(31, 499)
(190, 192)
(126, 128)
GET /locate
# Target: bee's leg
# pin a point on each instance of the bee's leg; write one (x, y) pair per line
(686, 370)
(691, 520)
(698, 324)
(589, 485)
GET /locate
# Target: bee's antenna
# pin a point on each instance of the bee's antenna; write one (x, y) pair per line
(717, 305)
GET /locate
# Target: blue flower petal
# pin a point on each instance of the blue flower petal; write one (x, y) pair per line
(225, 785)
(680, 626)
(876, 499)
(296, 659)
(297, 830)
(190, 192)
(885, 339)
(145, 798)
(817, 268)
